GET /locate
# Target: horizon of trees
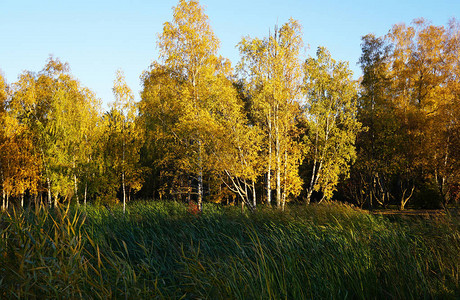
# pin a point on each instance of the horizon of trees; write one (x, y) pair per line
(277, 127)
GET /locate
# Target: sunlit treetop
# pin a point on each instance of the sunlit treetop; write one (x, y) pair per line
(188, 42)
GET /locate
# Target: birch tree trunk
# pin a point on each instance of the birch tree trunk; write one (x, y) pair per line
(285, 179)
(124, 192)
(200, 178)
(48, 182)
(76, 188)
(254, 198)
(56, 199)
(123, 171)
(269, 188)
(86, 189)
(278, 162)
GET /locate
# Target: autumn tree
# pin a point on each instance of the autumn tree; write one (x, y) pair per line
(57, 113)
(124, 139)
(424, 63)
(31, 102)
(271, 68)
(331, 108)
(87, 153)
(159, 112)
(19, 164)
(237, 155)
(372, 174)
(408, 100)
(189, 47)
(189, 95)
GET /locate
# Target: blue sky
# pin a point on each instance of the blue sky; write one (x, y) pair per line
(98, 37)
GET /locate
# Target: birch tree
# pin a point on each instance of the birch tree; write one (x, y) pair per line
(188, 51)
(125, 137)
(272, 69)
(376, 165)
(54, 107)
(331, 107)
(424, 70)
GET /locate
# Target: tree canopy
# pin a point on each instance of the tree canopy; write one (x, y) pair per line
(280, 127)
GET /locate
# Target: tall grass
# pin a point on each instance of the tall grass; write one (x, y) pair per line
(159, 250)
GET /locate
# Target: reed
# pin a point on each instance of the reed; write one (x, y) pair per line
(160, 250)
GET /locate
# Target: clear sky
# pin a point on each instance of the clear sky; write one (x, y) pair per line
(98, 37)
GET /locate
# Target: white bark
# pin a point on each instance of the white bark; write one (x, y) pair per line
(269, 188)
(76, 188)
(254, 198)
(86, 188)
(285, 180)
(48, 182)
(278, 162)
(200, 178)
(124, 192)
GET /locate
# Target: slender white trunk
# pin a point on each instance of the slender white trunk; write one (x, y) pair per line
(278, 188)
(22, 200)
(285, 180)
(200, 190)
(254, 198)
(48, 182)
(269, 188)
(200, 178)
(76, 188)
(123, 171)
(86, 188)
(124, 191)
(246, 195)
(200, 158)
(314, 171)
(308, 196)
(278, 167)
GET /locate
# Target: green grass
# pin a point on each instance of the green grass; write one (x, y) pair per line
(159, 250)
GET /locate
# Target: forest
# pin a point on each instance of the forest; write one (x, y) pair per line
(277, 127)
(279, 177)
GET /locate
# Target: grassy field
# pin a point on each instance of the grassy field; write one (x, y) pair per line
(160, 250)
